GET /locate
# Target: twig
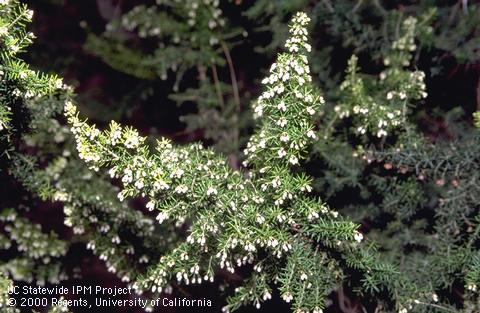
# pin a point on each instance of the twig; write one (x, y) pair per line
(233, 76)
(435, 306)
(236, 95)
(217, 85)
(357, 5)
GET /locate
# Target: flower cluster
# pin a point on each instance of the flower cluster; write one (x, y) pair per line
(38, 253)
(380, 105)
(31, 240)
(234, 219)
(299, 34)
(198, 12)
(196, 24)
(5, 285)
(55, 174)
(288, 105)
(12, 38)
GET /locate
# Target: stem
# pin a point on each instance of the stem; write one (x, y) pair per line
(236, 95)
(380, 7)
(233, 75)
(435, 306)
(357, 5)
(217, 85)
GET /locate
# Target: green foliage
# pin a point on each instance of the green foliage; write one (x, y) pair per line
(369, 26)
(110, 228)
(264, 217)
(38, 253)
(357, 145)
(197, 31)
(5, 285)
(191, 29)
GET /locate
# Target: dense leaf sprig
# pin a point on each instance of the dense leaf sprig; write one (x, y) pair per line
(261, 217)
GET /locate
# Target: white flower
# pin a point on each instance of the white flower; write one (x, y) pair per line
(213, 41)
(293, 48)
(299, 69)
(272, 78)
(127, 178)
(139, 184)
(281, 106)
(281, 153)
(181, 189)
(59, 81)
(132, 141)
(268, 94)
(310, 110)
(472, 287)
(266, 295)
(116, 240)
(282, 122)
(177, 173)
(276, 182)
(358, 236)
(211, 191)
(120, 196)
(150, 205)
(15, 48)
(279, 89)
(259, 110)
(389, 95)
(260, 219)
(115, 135)
(293, 160)
(161, 185)
(287, 297)
(161, 217)
(381, 133)
(361, 130)
(435, 297)
(303, 276)
(284, 137)
(311, 134)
